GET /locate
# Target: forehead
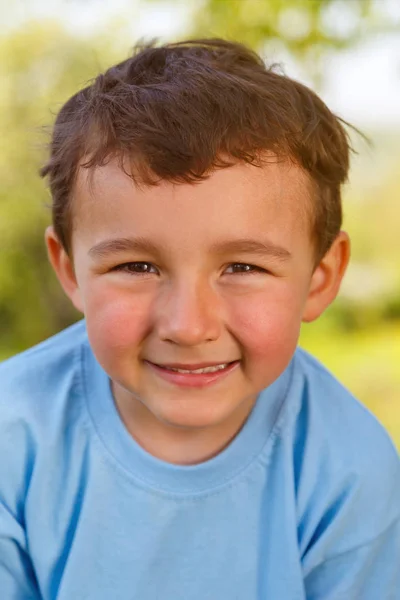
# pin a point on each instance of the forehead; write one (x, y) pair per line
(242, 199)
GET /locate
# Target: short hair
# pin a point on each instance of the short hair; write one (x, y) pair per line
(178, 111)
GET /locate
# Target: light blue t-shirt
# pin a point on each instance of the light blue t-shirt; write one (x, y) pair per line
(303, 504)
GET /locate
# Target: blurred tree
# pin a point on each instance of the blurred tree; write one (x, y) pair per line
(41, 67)
(307, 29)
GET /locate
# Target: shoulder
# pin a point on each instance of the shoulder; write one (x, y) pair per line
(42, 359)
(39, 399)
(346, 467)
(32, 382)
(335, 418)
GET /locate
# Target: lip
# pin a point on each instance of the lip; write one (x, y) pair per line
(192, 379)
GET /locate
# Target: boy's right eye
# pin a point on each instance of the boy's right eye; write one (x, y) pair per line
(137, 268)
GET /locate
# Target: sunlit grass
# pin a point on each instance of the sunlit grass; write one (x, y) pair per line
(367, 362)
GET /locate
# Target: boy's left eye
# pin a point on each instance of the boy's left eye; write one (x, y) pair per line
(246, 268)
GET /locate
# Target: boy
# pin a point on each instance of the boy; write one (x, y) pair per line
(176, 444)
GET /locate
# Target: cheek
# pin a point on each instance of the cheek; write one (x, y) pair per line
(115, 322)
(268, 329)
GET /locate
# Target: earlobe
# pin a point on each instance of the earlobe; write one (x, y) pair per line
(63, 268)
(327, 277)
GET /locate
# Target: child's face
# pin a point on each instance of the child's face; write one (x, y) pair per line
(192, 305)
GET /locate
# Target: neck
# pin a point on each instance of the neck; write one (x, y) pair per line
(175, 444)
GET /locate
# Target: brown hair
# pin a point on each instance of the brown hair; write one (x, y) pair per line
(180, 110)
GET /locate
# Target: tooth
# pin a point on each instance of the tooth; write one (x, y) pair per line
(205, 370)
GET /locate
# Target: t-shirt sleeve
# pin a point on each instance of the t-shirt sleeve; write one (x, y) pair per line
(351, 528)
(368, 572)
(348, 495)
(17, 579)
(33, 388)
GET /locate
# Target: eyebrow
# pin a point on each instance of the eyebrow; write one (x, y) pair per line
(141, 244)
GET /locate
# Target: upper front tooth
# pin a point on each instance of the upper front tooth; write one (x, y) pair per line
(205, 370)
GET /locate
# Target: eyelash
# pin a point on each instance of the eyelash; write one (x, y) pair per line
(126, 267)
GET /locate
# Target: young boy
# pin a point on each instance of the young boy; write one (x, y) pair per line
(177, 444)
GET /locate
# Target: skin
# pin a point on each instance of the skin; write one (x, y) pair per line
(191, 305)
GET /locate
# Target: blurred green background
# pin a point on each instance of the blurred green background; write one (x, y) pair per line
(348, 51)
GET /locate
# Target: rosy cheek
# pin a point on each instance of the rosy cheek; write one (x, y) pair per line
(268, 331)
(116, 321)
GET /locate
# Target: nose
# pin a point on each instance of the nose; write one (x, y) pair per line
(189, 314)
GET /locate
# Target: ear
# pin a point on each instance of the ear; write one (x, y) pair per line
(63, 268)
(327, 277)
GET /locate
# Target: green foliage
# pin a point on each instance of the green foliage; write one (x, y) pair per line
(300, 24)
(306, 29)
(41, 68)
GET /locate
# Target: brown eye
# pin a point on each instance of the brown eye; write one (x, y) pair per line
(243, 268)
(136, 268)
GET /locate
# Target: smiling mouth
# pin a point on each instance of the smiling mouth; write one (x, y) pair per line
(194, 377)
(211, 369)
(195, 369)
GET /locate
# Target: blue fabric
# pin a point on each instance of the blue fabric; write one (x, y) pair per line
(303, 504)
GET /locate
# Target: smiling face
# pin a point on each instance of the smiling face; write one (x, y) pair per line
(215, 272)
